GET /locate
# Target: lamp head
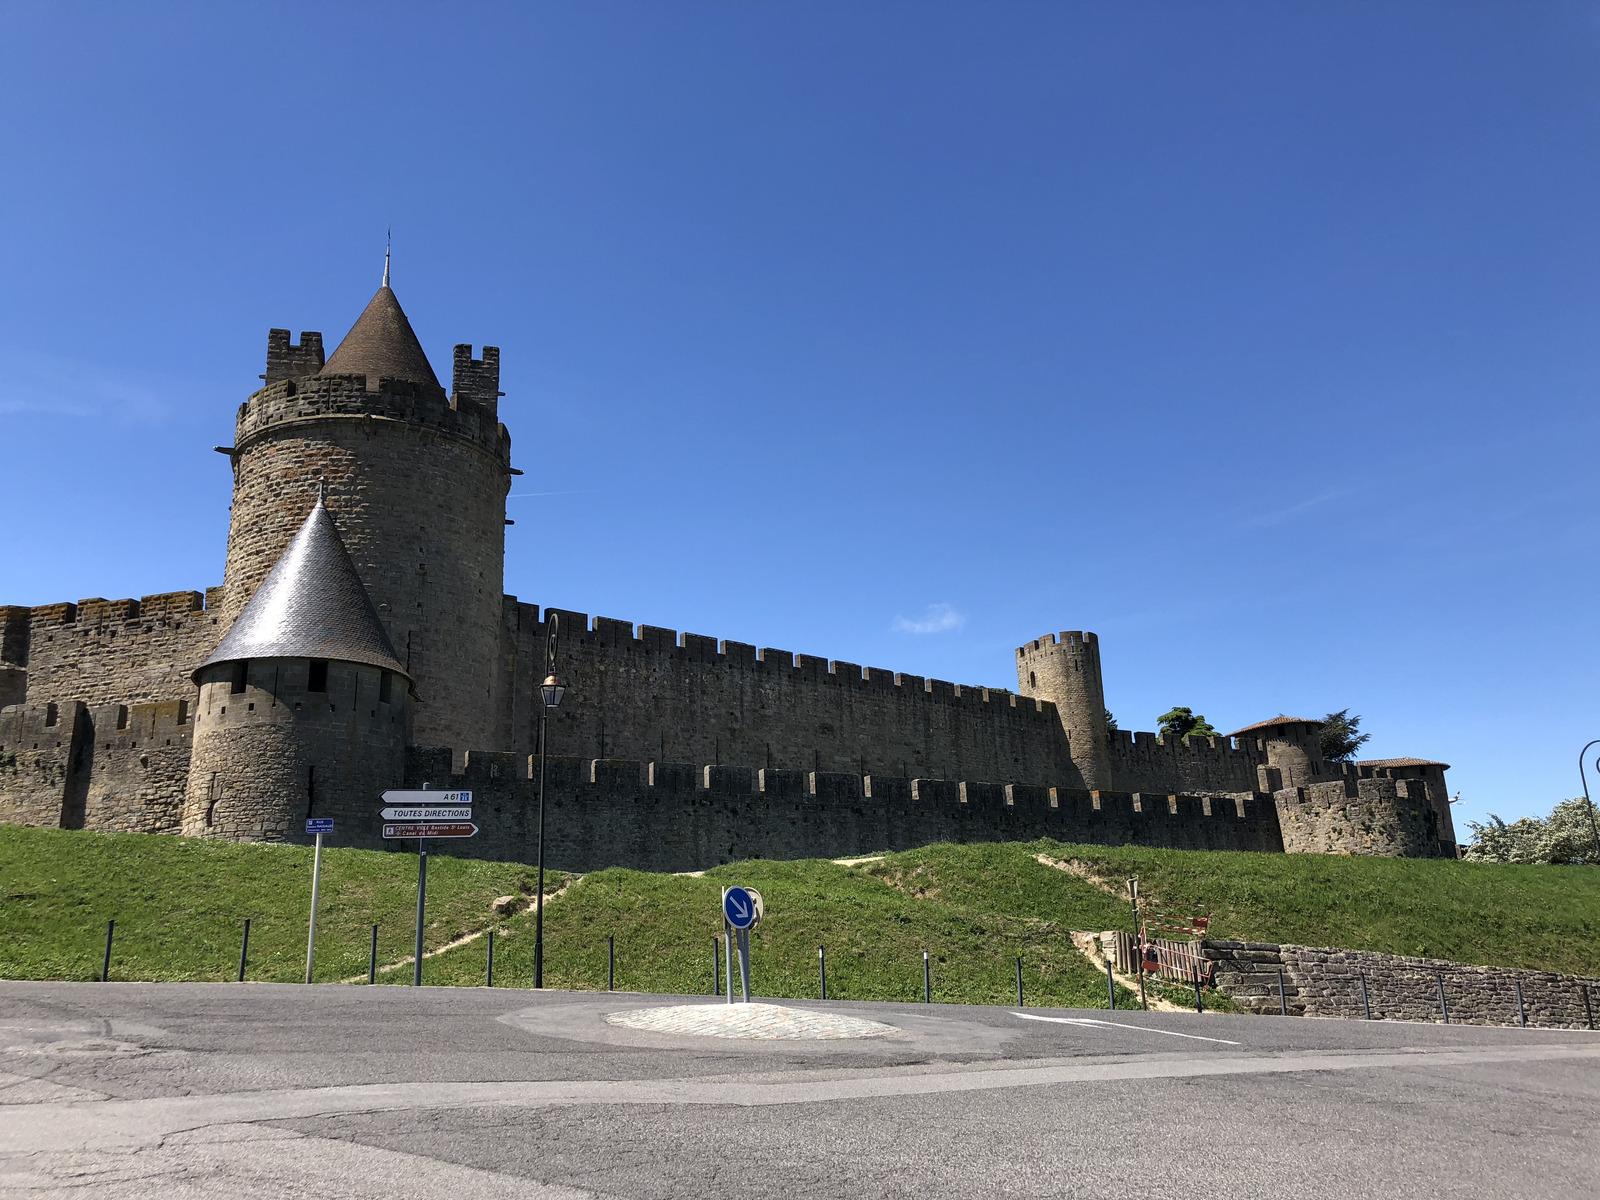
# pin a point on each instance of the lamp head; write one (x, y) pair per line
(553, 689)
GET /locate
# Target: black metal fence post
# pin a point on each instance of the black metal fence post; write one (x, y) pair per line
(927, 980)
(1198, 1006)
(611, 963)
(1366, 1001)
(822, 970)
(105, 967)
(1283, 1004)
(1588, 1011)
(716, 966)
(488, 975)
(1111, 986)
(244, 949)
(1444, 1005)
(1020, 1004)
(1522, 1013)
(372, 958)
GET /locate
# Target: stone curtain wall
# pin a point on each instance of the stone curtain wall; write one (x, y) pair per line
(681, 817)
(1321, 982)
(137, 759)
(1144, 762)
(664, 696)
(111, 651)
(41, 751)
(116, 767)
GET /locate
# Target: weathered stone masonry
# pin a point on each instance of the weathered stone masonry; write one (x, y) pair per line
(104, 728)
(1323, 982)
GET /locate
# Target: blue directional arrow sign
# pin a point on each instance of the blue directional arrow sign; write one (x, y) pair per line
(739, 906)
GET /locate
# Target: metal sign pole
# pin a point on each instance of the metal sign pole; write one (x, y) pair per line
(311, 933)
(422, 901)
(728, 947)
(744, 963)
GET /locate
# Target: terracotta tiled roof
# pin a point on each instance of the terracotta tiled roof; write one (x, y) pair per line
(311, 605)
(1278, 720)
(381, 345)
(1401, 762)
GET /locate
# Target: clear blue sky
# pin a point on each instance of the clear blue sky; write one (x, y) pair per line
(1260, 339)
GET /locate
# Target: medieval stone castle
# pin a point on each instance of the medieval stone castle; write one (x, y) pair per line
(360, 641)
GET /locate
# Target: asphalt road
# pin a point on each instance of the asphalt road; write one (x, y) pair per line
(258, 1090)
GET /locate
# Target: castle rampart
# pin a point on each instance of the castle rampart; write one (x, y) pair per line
(1391, 817)
(666, 695)
(679, 817)
(111, 651)
(103, 728)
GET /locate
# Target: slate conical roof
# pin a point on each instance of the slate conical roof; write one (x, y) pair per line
(381, 345)
(311, 605)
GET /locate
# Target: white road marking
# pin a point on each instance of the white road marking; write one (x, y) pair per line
(1119, 1025)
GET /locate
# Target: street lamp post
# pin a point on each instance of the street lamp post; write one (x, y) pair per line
(1593, 824)
(550, 693)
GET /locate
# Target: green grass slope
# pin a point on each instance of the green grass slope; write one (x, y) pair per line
(873, 925)
(1537, 917)
(179, 904)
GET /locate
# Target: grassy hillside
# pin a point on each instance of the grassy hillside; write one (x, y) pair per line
(1538, 917)
(179, 904)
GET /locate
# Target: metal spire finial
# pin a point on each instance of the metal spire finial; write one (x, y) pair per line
(388, 238)
(322, 489)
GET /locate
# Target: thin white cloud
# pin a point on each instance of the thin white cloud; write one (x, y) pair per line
(33, 383)
(936, 618)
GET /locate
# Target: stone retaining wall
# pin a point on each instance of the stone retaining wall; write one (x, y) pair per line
(1323, 982)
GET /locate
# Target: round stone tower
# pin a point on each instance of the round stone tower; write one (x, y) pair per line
(418, 481)
(1067, 673)
(303, 708)
(1293, 746)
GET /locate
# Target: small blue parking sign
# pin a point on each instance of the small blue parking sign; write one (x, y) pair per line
(319, 825)
(741, 906)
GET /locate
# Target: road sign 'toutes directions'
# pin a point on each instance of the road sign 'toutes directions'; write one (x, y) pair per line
(427, 813)
(397, 797)
(742, 907)
(447, 829)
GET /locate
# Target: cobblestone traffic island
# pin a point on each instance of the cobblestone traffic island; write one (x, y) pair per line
(767, 1022)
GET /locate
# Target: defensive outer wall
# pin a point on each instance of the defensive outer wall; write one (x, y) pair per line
(98, 698)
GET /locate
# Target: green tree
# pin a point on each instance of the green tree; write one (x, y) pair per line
(1182, 723)
(1565, 836)
(1341, 736)
(1111, 720)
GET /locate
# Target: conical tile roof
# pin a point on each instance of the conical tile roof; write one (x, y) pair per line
(311, 605)
(381, 345)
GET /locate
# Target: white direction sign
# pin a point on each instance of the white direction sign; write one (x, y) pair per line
(428, 812)
(427, 797)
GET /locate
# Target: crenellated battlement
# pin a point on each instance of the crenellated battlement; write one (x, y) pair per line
(611, 634)
(476, 380)
(662, 816)
(287, 402)
(285, 360)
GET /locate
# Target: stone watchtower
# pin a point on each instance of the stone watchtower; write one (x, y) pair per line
(418, 480)
(1293, 746)
(1067, 673)
(304, 708)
